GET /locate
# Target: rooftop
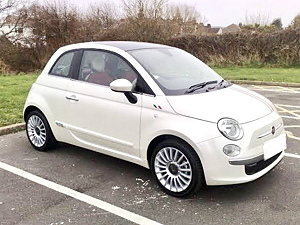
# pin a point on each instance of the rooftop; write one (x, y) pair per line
(130, 45)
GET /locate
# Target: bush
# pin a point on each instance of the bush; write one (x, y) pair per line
(280, 48)
(16, 58)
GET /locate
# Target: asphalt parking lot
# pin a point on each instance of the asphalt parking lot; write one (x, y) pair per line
(94, 180)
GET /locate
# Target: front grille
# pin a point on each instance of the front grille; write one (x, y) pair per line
(253, 168)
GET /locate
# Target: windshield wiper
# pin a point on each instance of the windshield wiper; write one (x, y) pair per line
(196, 87)
(221, 82)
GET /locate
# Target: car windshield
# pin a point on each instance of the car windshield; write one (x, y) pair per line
(176, 71)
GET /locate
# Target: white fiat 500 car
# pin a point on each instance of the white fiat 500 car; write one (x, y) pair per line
(156, 106)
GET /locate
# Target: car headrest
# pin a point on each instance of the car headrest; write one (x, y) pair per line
(97, 64)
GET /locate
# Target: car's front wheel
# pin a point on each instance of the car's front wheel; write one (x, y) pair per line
(177, 168)
(39, 132)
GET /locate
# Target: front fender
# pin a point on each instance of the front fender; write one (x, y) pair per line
(192, 131)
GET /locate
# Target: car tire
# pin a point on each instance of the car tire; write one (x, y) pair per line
(177, 168)
(39, 132)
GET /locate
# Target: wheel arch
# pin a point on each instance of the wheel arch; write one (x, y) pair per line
(44, 138)
(159, 139)
(30, 109)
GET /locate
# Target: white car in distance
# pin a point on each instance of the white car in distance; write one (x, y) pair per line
(156, 106)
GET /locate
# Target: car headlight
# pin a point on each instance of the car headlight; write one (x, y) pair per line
(231, 129)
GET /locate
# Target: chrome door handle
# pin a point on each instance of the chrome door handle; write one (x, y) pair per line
(72, 97)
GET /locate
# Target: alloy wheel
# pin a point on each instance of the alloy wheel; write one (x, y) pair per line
(173, 169)
(36, 131)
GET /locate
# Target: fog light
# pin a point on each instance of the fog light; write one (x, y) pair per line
(232, 150)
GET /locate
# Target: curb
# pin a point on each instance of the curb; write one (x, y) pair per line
(12, 128)
(253, 82)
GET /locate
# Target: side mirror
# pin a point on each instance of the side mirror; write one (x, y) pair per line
(124, 86)
(121, 85)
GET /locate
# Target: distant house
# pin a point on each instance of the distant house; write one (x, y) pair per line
(178, 27)
(209, 30)
(15, 33)
(232, 28)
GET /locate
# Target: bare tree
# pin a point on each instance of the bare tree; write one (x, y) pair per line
(150, 9)
(259, 19)
(184, 13)
(13, 14)
(103, 14)
(57, 22)
(296, 22)
(6, 5)
(143, 20)
(53, 25)
(184, 19)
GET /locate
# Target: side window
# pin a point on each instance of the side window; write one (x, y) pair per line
(63, 65)
(102, 68)
(92, 68)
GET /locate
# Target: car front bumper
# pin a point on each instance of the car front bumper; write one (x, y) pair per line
(252, 163)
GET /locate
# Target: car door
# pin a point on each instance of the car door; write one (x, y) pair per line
(53, 89)
(99, 118)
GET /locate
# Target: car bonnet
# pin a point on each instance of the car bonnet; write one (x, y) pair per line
(233, 102)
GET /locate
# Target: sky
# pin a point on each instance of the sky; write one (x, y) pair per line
(225, 12)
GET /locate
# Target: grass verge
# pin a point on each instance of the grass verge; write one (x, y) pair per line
(286, 75)
(13, 93)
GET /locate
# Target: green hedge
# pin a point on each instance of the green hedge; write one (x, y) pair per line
(281, 48)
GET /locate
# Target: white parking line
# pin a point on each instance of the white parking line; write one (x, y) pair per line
(291, 135)
(276, 89)
(80, 196)
(290, 117)
(288, 89)
(292, 126)
(287, 111)
(292, 155)
(289, 106)
(295, 111)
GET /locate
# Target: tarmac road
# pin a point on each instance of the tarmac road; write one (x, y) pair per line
(272, 199)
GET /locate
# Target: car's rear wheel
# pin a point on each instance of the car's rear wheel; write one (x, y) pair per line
(39, 132)
(177, 168)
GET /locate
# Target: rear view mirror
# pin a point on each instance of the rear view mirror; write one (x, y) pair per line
(121, 85)
(124, 86)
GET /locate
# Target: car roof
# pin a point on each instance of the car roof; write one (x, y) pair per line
(129, 45)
